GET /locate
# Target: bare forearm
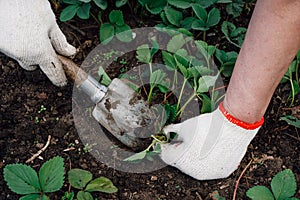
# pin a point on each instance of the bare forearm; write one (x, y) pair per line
(271, 43)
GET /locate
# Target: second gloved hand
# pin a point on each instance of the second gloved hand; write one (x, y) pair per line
(30, 35)
(209, 146)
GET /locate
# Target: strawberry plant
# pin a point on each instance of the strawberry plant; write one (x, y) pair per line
(283, 187)
(193, 78)
(233, 34)
(115, 26)
(292, 120)
(24, 180)
(81, 8)
(82, 180)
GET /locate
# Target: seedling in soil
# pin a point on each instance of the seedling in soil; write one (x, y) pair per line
(235, 8)
(292, 76)
(123, 62)
(24, 180)
(42, 108)
(205, 20)
(283, 187)
(76, 7)
(115, 26)
(233, 34)
(82, 180)
(291, 120)
(37, 120)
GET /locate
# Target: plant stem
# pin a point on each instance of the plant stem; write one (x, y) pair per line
(293, 91)
(95, 18)
(185, 104)
(204, 36)
(174, 79)
(150, 67)
(180, 95)
(150, 93)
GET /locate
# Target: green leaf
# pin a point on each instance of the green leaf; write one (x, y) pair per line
(207, 104)
(71, 1)
(174, 16)
(296, 87)
(170, 112)
(52, 174)
(292, 120)
(205, 82)
(69, 12)
(224, 1)
(187, 22)
(85, 1)
(120, 3)
(213, 17)
(68, 196)
(124, 33)
(259, 193)
(227, 60)
(157, 77)
(233, 34)
(284, 185)
(199, 25)
(155, 6)
(176, 43)
(200, 12)
(107, 32)
(205, 3)
(205, 50)
(78, 178)
(143, 53)
(81, 195)
(137, 156)
(216, 196)
(155, 47)
(84, 11)
(116, 17)
(21, 179)
(235, 8)
(169, 60)
(101, 184)
(35, 197)
(101, 4)
(183, 4)
(104, 78)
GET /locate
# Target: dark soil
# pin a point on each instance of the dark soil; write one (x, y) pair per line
(276, 146)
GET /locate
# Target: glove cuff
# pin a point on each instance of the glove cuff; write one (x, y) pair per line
(238, 122)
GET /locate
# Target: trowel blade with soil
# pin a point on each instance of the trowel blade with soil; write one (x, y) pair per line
(118, 108)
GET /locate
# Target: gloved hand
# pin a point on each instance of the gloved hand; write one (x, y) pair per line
(209, 146)
(29, 34)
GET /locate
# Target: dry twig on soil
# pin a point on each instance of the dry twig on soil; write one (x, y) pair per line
(238, 181)
(40, 151)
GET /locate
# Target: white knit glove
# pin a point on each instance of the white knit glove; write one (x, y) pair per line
(29, 34)
(209, 146)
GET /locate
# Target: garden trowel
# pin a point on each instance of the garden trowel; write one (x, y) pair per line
(118, 108)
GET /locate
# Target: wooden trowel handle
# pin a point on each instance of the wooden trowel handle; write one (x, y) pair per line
(72, 70)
